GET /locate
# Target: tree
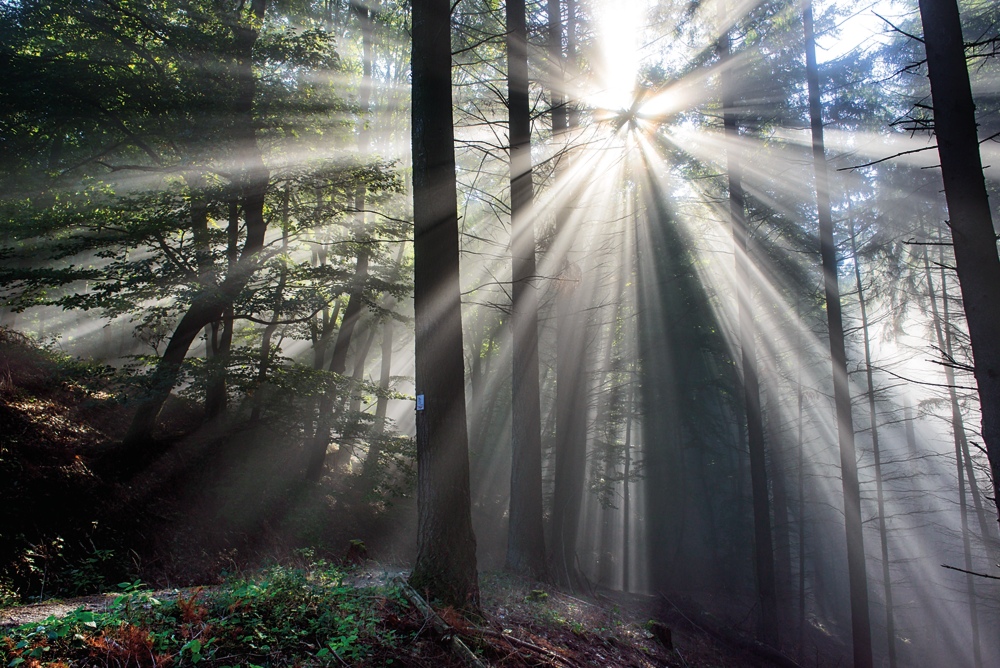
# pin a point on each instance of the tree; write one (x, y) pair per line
(446, 559)
(763, 543)
(857, 575)
(973, 237)
(526, 540)
(890, 621)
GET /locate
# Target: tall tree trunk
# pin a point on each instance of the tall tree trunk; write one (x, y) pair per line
(763, 544)
(857, 575)
(445, 567)
(958, 431)
(627, 496)
(525, 537)
(801, 514)
(252, 181)
(973, 236)
(571, 411)
(890, 621)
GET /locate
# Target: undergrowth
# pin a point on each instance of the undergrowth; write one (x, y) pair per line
(281, 617)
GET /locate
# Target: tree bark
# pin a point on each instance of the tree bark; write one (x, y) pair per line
(857, 575)
(445, 566)
(973, 236)
(525, 537)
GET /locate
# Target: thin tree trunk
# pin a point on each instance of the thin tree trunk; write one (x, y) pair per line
(857, 575)
(779, 489)
(890, 621)
(911, 435)
(445, 567)
(525, 537)
(381, 408)
(801, 514)
(958, 431)
(626, 496)
(338, 366)
(222, 331)
(973, 236)
(385, 378)
(264, 364)
(763, 543)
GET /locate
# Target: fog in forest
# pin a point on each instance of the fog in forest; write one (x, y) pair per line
(687, 420)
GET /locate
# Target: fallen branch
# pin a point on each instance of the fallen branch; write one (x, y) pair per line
(448, 632)
(518, 643)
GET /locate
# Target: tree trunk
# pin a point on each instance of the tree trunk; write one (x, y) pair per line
(973, 236)
(525, 537)
(958, 432)
(571, 409)
(626, 496)
(763, 544)
(445, 567)
(857, 575)
(216, 395)
(801, 514)
(890, 621)
(338, 365)
(252, 181)
(259, 398)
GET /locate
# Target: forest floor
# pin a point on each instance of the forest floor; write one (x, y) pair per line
(326, 615)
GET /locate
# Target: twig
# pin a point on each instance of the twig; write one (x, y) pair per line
(875, 162)
(962, 570)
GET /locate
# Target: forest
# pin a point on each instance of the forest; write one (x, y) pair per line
(685, 303)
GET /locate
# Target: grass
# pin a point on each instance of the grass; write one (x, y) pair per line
(280, 617)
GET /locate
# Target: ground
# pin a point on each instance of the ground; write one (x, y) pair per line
(522, 623)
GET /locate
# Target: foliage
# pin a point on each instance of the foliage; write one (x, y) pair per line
(282, 616)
